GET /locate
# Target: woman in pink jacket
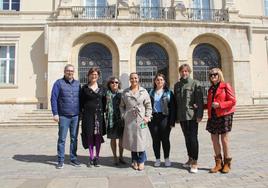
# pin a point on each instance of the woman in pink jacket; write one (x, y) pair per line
(221, 107)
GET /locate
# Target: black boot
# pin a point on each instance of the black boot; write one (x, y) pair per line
(96, 162)
(90, 163)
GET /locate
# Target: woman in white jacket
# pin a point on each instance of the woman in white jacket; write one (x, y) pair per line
(136, 111)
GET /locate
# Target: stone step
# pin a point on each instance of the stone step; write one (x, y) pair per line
(253, 106)
(43, 118)
(47, 118)
(27, 125)
(38, 113)
(28, 122)
(34, 115)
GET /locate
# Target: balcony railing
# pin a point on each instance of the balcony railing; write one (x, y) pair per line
(147, 13)
(152, 13)
(94, 12)
(217, 15)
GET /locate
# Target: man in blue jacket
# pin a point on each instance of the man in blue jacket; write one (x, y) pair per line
(65, 108)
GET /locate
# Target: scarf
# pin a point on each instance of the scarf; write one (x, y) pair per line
(110, 109)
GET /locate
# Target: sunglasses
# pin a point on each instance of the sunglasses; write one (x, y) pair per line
(114, 82)
(213, 75)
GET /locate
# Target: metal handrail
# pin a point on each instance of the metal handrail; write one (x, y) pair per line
(152, 13)
(94, 12)
(218, 15)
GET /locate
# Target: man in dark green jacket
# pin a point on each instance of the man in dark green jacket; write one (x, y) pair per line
(189, 107)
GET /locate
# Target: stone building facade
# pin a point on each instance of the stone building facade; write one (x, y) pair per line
(38, 38)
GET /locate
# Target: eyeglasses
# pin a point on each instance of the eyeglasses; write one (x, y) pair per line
(213, 75)
(114, 82)
(69, 70)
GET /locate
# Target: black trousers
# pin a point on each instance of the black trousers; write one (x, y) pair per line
(160, 131)
(190, 132)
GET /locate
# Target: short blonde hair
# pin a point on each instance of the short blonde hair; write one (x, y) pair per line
(216, 70)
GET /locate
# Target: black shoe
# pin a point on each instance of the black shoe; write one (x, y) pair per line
(121, 160)
(75, 163)
(96, 162)
(90, 164)
(116, 161)
(60, 165)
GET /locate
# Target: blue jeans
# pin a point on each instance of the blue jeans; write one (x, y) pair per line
(66, 123)
(139, 157)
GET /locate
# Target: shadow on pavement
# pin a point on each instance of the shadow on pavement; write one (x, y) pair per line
(30, 158)
(104, 161)
(52, 160)
(175, 165)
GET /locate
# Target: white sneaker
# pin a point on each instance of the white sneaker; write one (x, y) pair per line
(167, 162)
(157, 163)
(194, 169)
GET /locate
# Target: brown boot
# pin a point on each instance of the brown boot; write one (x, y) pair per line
(218, 166)
(227, 165)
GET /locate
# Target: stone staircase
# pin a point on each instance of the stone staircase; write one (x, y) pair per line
(36, 118)
(248, 112)
(43, 118)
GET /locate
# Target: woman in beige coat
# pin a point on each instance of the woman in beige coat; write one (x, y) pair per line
(136, 111)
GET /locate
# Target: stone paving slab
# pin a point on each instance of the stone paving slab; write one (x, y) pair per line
(129, 182)
(28, 158)
(40, 183)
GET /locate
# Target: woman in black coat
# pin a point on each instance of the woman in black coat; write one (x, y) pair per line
(92, 107)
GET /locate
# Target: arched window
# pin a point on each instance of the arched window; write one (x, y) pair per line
(151, 58)
(95, 55)
(205, 57)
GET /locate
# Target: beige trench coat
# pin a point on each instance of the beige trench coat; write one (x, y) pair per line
(134, 107)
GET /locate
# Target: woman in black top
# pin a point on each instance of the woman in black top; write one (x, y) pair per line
(92, 107)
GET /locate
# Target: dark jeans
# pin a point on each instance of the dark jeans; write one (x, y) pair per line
(66, 123)
(139, 157)
(190, 132)
(160, 131)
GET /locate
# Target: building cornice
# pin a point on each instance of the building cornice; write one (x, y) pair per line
(262, 29)
(145, 23)
(7, 26)
(18, 13)
(253, 17)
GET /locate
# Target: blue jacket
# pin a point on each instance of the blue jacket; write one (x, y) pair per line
(167, 104)
(65, 97)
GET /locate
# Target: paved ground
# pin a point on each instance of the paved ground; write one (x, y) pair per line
(28, 161)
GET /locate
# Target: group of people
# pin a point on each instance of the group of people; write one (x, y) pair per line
(129, 117)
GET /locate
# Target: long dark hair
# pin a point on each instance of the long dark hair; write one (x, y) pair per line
(164, 77)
